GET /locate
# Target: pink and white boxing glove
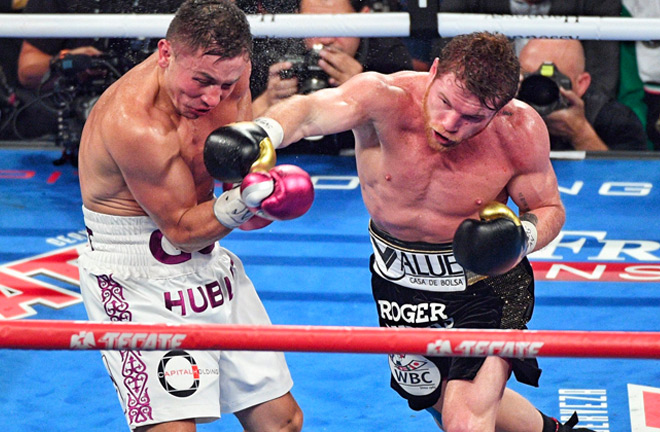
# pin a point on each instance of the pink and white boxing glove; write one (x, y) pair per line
(285, 192)
(231, 211)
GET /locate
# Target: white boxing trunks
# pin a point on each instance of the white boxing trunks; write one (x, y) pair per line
(130, 272)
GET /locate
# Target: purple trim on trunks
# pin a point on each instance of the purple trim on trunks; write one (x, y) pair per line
(134, 370)
(135, 375)
(112, 295)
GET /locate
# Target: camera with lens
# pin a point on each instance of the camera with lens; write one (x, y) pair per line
(306, 68)
(78, 80)
(75, 84)
(540, 89)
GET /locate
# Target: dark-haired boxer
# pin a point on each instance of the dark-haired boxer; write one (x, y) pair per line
(439, 153)
(153, 224)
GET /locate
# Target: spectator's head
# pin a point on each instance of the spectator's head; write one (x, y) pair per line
(484, 64)
(567, 56)
(348, 45)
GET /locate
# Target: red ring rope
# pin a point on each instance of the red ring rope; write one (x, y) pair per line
(76, 335)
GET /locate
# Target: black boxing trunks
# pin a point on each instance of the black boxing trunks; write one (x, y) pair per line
(420, 285)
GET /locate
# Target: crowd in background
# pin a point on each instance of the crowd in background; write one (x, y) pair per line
(607, 94)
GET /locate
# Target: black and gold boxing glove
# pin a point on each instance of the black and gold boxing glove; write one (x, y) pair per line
(494, 244)
(233, 151)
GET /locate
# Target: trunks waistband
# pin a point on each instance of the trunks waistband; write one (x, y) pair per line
(408, 246)
(418, 265)
(134, 244)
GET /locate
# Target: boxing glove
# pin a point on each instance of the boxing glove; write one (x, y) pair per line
(285, 192)
(234, 150)
(494, 244)
(230, 210)
(250, 221)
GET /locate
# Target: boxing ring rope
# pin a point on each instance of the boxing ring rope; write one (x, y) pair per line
(84, 335)
(392, 24)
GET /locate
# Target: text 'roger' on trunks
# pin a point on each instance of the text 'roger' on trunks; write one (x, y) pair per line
(417, 268)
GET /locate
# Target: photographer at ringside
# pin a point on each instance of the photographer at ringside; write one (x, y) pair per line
(284, 68)
(49, 87)
(578, 117)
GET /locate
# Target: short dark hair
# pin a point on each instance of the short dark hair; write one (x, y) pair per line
(486, 64)
(218, 27)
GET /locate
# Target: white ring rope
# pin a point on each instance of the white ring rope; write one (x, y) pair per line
(393, 24)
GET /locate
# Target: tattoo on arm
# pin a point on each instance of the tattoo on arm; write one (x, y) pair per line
(524, 207)
(529, 217)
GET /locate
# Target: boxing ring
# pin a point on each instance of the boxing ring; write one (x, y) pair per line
(595, 324)
(595, 328)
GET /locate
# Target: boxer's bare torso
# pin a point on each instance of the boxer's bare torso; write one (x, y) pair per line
(420, 181)
(136, 105)
(141, 151)
(418, 193)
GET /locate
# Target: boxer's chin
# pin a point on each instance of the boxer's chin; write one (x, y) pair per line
(438, 142)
